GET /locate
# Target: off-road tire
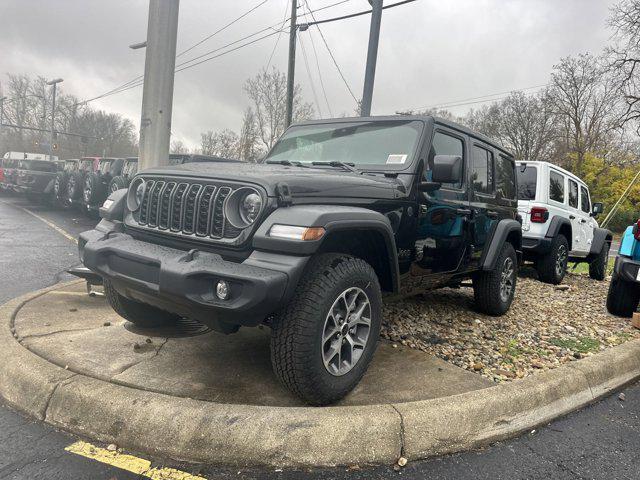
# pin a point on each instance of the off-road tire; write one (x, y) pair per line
(598, 266)
(118, 182)
(623, 297)
(97, 190)
(487, 284)
(297, 331)
(74, 186)
(546, 264)
(138, 313)
(61, 183)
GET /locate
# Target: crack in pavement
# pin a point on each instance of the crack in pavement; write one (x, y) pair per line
(402, 431)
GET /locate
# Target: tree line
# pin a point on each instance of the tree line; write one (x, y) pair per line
(28, 104)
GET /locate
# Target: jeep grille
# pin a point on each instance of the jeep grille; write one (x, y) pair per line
(186, 207)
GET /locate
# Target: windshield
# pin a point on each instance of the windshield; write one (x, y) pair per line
(527, 182)
(130, 168)
(105, 166)
(70, 166)
(358, 143)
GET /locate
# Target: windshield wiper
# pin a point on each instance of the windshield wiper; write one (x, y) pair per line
(335, 163)
(288, 163)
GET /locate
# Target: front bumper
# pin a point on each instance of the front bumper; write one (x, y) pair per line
(627, 269)
(185, 282)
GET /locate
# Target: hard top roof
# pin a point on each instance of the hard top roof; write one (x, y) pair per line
(400, 118)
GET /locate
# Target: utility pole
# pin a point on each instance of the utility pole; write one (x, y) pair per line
(157, 94)
(53, 83)
(291, 70)
(2, 99)
(372, 56)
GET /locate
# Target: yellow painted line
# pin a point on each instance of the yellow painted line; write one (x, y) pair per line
(138, 466)
(50, 224)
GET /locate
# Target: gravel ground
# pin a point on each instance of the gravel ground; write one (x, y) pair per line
(546, 326)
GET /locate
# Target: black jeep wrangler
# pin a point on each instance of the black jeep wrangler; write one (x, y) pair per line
(338, 213)
(35, 178)
(96, 184)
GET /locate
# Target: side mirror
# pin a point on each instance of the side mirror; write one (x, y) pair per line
(597, 208)
(428, 187)
(447, 169)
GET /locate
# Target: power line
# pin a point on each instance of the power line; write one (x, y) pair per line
(275, 45)
(134, 81)
(459, 103)
(315, 54)
(351, 15)
(324, 40)
(222, 28)
(306, 64)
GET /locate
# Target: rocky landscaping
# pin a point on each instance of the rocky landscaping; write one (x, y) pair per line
(547, 326)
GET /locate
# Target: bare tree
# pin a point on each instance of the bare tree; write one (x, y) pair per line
(267, 91)
(248, 143)
(585, 104)
(222, 144)
(625, 56)
(178, 146)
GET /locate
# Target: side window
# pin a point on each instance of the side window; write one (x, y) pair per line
(573, 194)
(443, 144)
(506, 177)
(482, 170)
(585, 203)
(556, 186)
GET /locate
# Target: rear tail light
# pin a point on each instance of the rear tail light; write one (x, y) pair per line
(539, 215)
(636, 230)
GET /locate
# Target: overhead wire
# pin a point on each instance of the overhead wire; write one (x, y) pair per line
(306, 64)
(275, 45)
(315, 54)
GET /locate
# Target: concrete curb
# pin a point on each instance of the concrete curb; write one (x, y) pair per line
(243, 435)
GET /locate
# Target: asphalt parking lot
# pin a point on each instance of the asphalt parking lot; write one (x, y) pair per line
(600, 441)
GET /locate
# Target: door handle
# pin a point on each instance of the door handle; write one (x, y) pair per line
(464, 212)
(572, 217)
(492, 214)
(583, 221)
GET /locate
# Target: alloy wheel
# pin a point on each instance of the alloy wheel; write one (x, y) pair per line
(507, 279)
(346, 331)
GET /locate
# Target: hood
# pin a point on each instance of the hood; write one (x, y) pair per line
(302, 182)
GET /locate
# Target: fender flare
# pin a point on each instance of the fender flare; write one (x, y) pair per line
(600, 237)
(501, 232)
(554, 227)
(333, 218)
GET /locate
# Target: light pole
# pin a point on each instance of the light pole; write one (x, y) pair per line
(157, 93)
(53, 83)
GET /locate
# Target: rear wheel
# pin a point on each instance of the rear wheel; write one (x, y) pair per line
(598, 267)
(138, 313)
(493, 290)
(74, 185)
(323, 340)
(93, 191)
(552, 266)
(623, 297)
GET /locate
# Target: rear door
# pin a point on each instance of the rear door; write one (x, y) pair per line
(483, 204)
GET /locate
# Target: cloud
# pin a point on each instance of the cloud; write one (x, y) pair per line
(431, 51)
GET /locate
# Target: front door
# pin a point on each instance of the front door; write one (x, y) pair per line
(580, 246)
(442, 233)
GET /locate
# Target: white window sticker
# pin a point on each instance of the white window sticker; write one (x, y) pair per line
(396, 159)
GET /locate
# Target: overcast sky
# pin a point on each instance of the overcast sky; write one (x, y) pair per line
(431, 51)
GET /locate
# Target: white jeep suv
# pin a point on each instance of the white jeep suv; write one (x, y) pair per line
(558, 222)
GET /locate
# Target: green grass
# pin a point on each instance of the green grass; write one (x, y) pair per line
(582, 344)
(583, 268)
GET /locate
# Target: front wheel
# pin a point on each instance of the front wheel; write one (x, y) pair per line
(324, 339)
(598, 267)
(493, 290)
(138, 313)
(623, 297)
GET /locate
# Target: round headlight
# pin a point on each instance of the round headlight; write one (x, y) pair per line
(243, 207)
(250, 206)
(136, 194)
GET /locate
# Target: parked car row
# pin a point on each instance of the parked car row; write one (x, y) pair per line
(85, 182)
(339, 213)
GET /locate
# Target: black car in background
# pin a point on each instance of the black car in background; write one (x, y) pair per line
(36, 178)
(96, 184)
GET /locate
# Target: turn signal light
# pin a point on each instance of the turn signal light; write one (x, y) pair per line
(539, 215)
(296, 233)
